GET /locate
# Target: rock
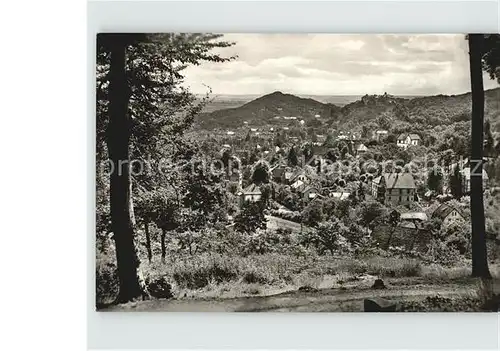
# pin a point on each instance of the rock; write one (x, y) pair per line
(308, 289)
(379, 284)
(378, 304)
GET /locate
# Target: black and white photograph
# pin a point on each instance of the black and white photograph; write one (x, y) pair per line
(277, 172)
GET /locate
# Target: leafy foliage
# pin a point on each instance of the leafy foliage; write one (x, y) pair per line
(261, 173)
(251, 218)
(330, 236)
(435, 180)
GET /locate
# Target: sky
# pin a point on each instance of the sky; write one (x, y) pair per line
(333, 64)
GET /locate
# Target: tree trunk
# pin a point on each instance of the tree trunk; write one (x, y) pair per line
(479, 253)
(389, 239)
(163, 248)
(148, 241)
(118, 135)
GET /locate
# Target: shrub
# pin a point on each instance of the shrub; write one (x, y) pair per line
(252, 290)
(440, 252)
(106, 282)
(199, 271)
(330, 237)
(159, 287)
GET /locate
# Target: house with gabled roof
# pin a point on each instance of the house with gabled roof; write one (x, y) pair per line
(310, 192)
(447, 214)
(251, 193)
(299, 175)
(394, 188)
(288, 176)
(361, 149)
(401, 140)
(413, 140)
(297, 185)
(380, 134)
(278, 172)
(321, 138)
(413, 216)
(412, 219)
(405, 140)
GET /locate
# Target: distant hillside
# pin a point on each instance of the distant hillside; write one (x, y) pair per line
(429, 110)
(367, 109)
(264, 109)
(442, 107)
(221, 101)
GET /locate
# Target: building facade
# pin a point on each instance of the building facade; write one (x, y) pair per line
(394, 188)
(447, 214)
(251, 193)
(405, 140)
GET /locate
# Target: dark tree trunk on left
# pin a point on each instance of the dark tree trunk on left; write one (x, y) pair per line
(479, 251)
(162, 242)
(148, 241)
(118, 137)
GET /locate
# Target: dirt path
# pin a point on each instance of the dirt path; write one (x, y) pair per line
(326, 300)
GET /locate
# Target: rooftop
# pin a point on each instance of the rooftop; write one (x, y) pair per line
(443, 210)
(297, 184)
(411, 216)
(340, 195)
(397, 181)
(252, 189)
(310, 187)
(362, 147)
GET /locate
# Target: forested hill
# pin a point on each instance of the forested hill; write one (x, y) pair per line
(263, 110)
(370, 110)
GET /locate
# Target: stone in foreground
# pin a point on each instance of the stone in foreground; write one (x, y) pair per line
(379, 284)
(378, 304)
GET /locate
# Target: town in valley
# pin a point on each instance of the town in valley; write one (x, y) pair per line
(283, 201)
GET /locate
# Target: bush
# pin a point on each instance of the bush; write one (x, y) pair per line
(106, 282)
(159, 288)
(440, 252)
(198, 272)
(330, 237)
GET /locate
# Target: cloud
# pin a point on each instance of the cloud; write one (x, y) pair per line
(338, 65)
